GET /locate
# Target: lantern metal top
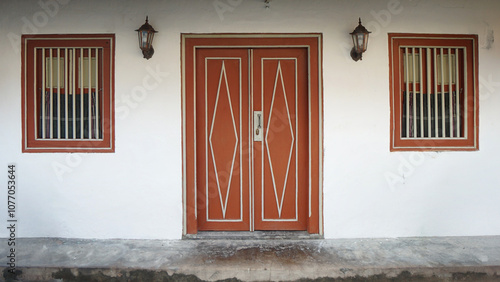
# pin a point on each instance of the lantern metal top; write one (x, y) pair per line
(360, 29)
(146, 27)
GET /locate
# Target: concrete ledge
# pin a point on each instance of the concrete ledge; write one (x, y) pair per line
(255, 235)
(395, 259)
(147, 275)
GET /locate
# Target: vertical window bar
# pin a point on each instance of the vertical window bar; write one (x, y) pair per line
(466, 112)
(66, 90)
(414, 90)
(97, 123)
(73, 87)
(457, 83)
(51, 109)
(429, 89)
(43, 95)
(80, 70)
(436, 119)
(407, 94)
(36, 93)
(443, 110)
(58, 94)
(421, 94)
(450, 93)
(89, 100)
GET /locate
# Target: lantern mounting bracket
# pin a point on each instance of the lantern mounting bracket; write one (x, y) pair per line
(355, 55)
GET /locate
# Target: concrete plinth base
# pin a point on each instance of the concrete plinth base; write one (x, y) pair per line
(398, 259)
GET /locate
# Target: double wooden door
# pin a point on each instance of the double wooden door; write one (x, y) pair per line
(251, 108)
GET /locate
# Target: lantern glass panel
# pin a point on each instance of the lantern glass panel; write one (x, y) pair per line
(360, 45)
(150, 38)
(365, 42)
(355, 42)
(144, 39)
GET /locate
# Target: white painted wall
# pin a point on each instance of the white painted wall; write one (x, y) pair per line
(136, 192)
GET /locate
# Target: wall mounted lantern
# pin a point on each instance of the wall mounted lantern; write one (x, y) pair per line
(146, 33)
(360, 40)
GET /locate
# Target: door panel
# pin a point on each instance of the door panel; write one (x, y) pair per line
(222, 139)
(244, 184)
(281, 159)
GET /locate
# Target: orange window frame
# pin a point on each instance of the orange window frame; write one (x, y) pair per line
(469, 43)
(31, 73)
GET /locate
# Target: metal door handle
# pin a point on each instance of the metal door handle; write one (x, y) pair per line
(257, 116)
(258, 125)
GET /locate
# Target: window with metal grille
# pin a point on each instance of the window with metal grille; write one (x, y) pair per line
(434, 98)
(68, 93)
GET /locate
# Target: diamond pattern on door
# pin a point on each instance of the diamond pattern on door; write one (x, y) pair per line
(281, 161)
(221, 114)
(279, 119)
(218, 132)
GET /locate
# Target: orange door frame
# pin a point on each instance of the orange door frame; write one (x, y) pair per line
(313, 43)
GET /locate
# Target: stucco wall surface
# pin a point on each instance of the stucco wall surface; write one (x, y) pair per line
(136, 192)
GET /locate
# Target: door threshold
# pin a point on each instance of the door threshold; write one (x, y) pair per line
(255, 235)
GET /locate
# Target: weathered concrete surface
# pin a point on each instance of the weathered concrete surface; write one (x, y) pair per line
(397, 259)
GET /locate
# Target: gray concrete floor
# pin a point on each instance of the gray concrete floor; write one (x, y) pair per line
(394, 259)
